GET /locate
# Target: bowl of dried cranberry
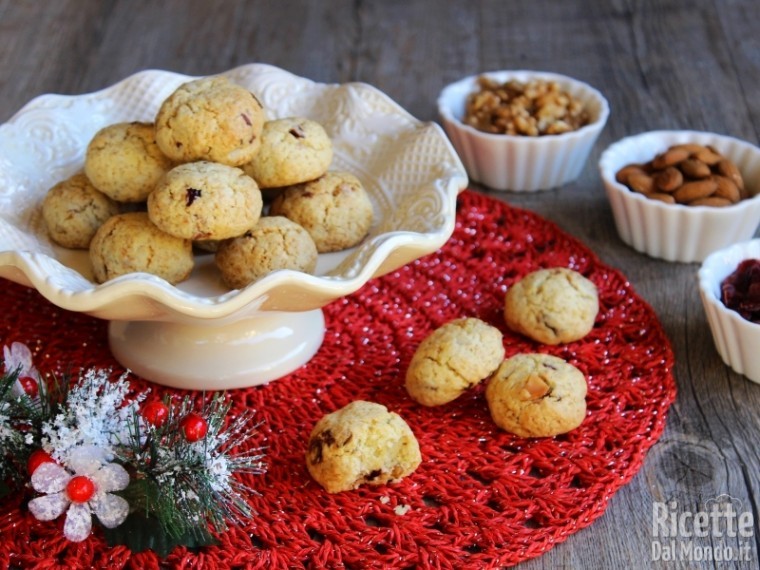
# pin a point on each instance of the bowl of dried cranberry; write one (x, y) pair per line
(729, 285)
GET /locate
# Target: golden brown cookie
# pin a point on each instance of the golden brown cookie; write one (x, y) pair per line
(74, 209)
(293, 150)
(452, 359)
(205, 201)
(335, 209)
(124, 162)
(537, 395)
(273, 243)
(362, 443)
(210, 119)
(552, 306)
(129, 243)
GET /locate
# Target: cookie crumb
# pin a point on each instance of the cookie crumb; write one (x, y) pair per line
(401, 510)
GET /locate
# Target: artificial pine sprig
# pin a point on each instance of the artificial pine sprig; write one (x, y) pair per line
(184, 480)
(26, 403)
(11, 438)
(154, 474)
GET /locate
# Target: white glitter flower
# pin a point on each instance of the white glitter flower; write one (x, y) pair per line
(81, 488)
(18, 358)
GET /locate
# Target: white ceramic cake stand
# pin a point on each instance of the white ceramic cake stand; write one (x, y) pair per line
(198, 335)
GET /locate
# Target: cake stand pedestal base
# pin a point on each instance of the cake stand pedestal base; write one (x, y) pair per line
(209, 355)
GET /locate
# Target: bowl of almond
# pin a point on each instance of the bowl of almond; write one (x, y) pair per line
(681, 195)
(522, 130)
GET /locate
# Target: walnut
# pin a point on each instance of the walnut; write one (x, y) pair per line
(535, 108)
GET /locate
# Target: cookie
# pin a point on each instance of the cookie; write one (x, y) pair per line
(273, 243)
(552, 306)
(124, 162)
(129, 243)
(452, 359)
(205, 201)
(537, 395)
(293, 150)
(74, 209)
(335, 209)
(362, 443)
(210, 119)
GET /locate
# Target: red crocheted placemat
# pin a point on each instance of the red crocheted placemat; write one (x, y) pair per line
(482, 498)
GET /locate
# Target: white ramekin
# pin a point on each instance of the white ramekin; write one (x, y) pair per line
(736, 339)
(676, 232)
(522, 163)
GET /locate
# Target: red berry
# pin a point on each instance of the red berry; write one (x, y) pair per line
(37, 458)
(155, 413)
(30, 386)
(80, 489)
(194, 427)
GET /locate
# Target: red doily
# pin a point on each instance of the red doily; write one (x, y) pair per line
(481, 498)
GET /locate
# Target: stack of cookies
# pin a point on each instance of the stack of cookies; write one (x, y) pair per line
(200, 178)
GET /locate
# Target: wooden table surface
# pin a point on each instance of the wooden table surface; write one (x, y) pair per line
(662, 64)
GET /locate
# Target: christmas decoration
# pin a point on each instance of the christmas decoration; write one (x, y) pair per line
(88, 491)
(155, 474)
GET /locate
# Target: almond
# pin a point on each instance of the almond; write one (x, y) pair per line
(695, 190)
(642, 183)
(662, 197)
(727, 189)
(623, 174)
(694, 168)
(691, 148)
(711, 201)
(669, 179)
(670, 157)
(728, 169)
(709, 156)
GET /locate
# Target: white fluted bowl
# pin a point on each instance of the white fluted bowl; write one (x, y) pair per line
(199, 334)
(675, 232)
(736, 339)
(522, 163)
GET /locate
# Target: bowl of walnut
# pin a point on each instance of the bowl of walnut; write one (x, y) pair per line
(522, 130)
(681, 195)
(729, 286)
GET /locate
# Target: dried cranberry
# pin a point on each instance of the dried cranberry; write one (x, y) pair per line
(191, 195)
(740, 291)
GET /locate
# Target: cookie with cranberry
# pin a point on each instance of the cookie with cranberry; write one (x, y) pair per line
(335, 209)
(205, 201)
(293, 150)
(274, 243)
(210, 119)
